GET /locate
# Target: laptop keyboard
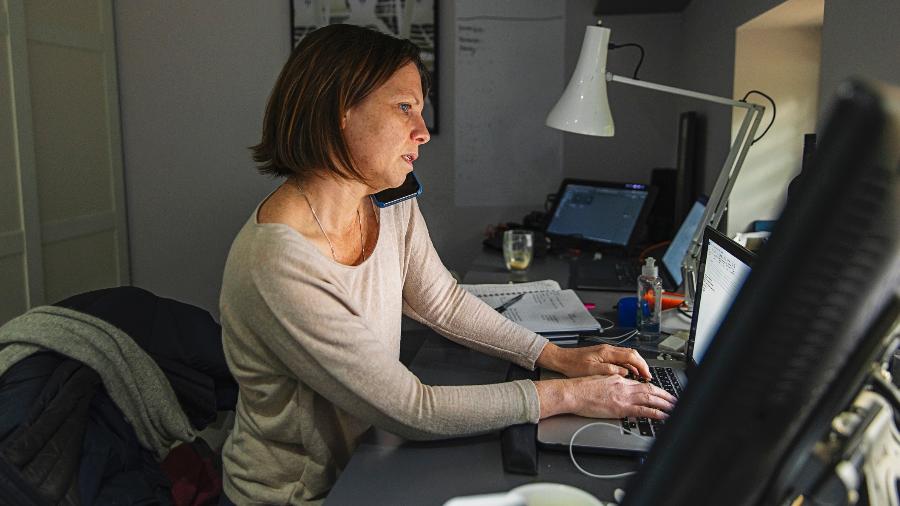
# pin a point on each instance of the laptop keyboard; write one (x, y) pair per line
(663, 377)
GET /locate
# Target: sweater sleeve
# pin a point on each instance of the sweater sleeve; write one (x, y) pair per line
(433, 297)
(329, 347)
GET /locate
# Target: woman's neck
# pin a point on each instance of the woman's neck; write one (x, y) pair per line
(335, 201)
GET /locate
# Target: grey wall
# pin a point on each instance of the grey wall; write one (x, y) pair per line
(646, 121)
(193, 77)
(859, 37)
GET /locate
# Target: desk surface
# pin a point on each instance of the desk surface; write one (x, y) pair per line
(386, 469)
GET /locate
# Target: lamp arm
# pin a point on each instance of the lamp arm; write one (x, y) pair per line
(718, 199)
(727, 176)
(678, 91)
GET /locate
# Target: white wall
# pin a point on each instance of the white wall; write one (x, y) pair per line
(858, 37)
(761, 57)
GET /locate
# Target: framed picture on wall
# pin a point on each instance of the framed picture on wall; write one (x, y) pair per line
(415, 20)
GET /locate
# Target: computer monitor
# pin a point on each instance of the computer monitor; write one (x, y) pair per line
(601, 212)
(674, 254)
(829, 272)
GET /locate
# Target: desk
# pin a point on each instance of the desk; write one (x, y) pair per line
(386, 469)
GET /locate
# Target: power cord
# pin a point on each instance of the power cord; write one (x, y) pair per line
(602, 328)
(773, 112)
(588, 473)
(631, 44)
(652, 247)
(615, 340)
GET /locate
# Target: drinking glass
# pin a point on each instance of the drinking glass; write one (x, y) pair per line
(518, 247)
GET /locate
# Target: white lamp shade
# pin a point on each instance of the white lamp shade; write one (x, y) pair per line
(583, 107)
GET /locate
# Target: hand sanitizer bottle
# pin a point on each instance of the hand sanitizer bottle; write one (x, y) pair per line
(649, 296)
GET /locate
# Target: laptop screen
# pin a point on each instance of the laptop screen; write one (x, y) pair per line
(674, 255)
(606, 214)
(725, 267)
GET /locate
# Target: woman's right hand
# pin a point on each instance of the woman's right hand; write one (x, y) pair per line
(610, 396)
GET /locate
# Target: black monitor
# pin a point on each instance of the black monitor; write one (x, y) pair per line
(825, 281)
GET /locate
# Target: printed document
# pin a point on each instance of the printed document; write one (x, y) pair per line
(545, 309)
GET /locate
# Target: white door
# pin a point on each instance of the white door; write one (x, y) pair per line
(62, 207)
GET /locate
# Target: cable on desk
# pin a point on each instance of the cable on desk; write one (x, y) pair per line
(602, 328)
(588, 473)
(616, 340)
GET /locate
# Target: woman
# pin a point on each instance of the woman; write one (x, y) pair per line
(318, 278)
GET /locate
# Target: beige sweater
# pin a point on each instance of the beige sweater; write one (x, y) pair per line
(315, 347)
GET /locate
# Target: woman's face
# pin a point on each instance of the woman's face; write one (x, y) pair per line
(384, 131)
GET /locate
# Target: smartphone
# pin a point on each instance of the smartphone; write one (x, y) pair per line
(409, 189)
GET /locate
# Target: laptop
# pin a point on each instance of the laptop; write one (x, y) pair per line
(613, 273)
(724, 265)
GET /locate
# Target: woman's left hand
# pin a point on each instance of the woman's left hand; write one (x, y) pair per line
(588, 361)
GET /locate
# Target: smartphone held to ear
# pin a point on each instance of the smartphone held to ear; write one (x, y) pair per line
(409, 189)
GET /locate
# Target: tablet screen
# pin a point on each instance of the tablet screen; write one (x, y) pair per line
(606, 214)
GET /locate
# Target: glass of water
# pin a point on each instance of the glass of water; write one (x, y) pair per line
(518, 248)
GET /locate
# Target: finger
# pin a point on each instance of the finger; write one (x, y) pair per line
(649, 400)
(659, 392)
(628, 356)
(608, 369)
(644, 411)
(654, 390)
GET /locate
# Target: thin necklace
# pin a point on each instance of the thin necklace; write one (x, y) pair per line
(319, 223)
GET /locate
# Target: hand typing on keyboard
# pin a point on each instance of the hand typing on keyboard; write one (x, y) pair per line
(596, 385)
(587, 361)
(666, 379)
(611, 396)
(621, 397)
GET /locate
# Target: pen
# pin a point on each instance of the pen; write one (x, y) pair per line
(506, 305)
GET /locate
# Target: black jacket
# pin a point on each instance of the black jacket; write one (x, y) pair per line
(64, 441)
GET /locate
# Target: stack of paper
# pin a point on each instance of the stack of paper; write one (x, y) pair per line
(544, 309)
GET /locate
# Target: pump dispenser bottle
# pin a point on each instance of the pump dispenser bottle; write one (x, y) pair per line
(649, 296)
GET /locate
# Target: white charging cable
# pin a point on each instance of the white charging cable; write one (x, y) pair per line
(584, 471)
(604, 329)
(613, 339)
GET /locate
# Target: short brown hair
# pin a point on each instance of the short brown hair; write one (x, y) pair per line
(331, 70)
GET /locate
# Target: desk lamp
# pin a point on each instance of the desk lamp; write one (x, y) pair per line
(583, 108)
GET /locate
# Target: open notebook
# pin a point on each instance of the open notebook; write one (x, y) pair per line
(545, 308)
